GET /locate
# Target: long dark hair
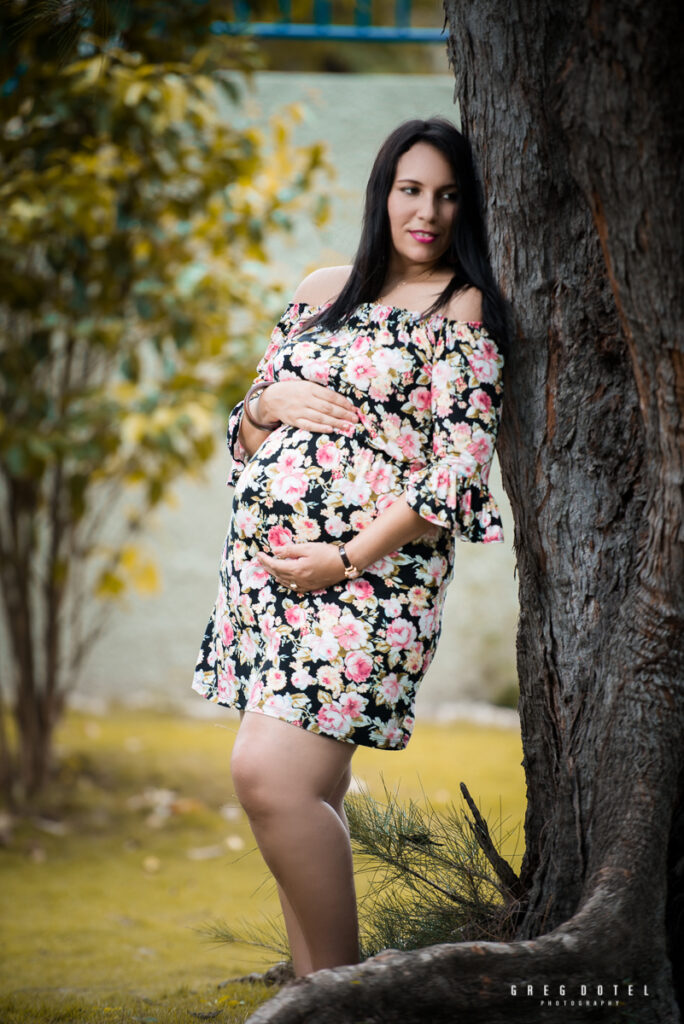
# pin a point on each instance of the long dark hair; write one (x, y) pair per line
(467, 254)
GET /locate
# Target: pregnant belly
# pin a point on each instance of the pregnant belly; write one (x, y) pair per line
(312, 486)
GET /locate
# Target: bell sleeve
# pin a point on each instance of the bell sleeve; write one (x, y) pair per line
(294, 312)
(451, 490)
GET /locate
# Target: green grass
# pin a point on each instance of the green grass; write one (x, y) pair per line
(101, 913)
(233, 1004)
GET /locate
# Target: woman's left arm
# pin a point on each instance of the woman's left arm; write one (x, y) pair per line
(449, 492)
(316, 565)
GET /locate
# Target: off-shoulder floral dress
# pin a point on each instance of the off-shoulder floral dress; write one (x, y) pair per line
(346, 662)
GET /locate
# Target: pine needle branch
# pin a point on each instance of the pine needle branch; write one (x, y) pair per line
(269, 935)
(431, 879)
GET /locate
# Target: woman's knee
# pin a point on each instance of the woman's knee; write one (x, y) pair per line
(252, 781)
(261, 779)
(276, 767)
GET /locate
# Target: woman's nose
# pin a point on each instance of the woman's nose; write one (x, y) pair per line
(428, 207)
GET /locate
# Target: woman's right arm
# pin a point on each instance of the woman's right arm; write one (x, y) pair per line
(298, 403)
(249, 436)
(301, 403)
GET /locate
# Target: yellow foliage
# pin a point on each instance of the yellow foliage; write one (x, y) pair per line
(23, 210)
(134, 93)
(141, 572)
(109, 585)
(134, 427)
(87, 72)
(146, 580)
(295, 111)
(171, 498)
(202, 420)
(124, 391)
(142, 250)
(176, 98)
(162, 417)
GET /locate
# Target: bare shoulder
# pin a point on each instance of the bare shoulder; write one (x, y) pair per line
(322, 285)
(467, 305)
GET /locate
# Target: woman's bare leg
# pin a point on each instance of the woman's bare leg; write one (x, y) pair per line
(298, 948)
(287, 779)
(299, 951)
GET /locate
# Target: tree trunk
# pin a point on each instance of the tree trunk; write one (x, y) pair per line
(576, 114)
(37, 702)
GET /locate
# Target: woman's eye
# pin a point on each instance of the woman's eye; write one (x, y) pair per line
(410, 190)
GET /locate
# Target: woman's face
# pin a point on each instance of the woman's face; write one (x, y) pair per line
(422, 205)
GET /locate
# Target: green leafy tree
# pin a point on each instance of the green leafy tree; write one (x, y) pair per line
(135, 200)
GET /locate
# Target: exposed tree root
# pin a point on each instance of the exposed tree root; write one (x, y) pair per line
(487, 982)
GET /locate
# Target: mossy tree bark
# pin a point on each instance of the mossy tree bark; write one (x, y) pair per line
(576, 114)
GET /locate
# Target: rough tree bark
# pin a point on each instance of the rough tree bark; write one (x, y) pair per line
(576, 113)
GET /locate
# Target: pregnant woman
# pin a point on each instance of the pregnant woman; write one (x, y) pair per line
(360, 454)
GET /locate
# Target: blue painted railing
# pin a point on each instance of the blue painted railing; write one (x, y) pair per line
(322, 26)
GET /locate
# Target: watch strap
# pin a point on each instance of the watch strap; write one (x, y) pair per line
(350, 571)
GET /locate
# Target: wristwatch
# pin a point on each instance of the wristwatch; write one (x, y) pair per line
(350, 571)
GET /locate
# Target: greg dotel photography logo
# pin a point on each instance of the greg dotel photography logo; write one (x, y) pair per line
(598, 994)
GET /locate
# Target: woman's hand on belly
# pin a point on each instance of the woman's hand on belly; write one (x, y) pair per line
(304, 567)
(305, 404)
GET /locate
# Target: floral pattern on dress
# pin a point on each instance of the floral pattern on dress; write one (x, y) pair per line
(347, 661)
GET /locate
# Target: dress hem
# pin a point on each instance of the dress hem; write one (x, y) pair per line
(205, 691)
